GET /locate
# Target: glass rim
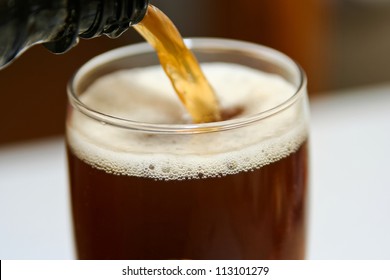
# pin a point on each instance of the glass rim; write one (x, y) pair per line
(193, 44)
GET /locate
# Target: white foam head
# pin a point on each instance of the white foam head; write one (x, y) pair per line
(146, 95)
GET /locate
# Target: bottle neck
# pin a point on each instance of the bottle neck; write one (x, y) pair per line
(111, 18)
(58, 23)
(25, 24)
(94, 18)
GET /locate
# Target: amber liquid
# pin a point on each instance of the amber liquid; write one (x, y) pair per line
(249, 215)
(180, 65)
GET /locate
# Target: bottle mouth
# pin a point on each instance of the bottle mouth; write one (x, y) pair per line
(278, 60)
(139, 11)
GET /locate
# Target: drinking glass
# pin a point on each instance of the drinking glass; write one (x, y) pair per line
(234, 189)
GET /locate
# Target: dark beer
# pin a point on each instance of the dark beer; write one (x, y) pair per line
(205, 193)
(258, 214)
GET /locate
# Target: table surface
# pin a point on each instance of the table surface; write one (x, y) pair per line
(349, 196)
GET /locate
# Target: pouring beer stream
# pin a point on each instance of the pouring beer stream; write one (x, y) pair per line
(180, 65)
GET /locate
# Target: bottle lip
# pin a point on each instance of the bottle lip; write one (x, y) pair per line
(193, 44)
(139, 11)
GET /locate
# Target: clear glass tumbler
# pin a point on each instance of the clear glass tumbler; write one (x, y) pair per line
(234, 189)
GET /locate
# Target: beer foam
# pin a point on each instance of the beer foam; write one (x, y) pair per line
(146, 95)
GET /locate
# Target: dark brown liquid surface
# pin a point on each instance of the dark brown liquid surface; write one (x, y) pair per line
(249, 215)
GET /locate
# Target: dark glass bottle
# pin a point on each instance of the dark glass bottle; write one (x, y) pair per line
(59, 23)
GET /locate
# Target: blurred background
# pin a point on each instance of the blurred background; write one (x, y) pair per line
(344, 47)
(339, 43)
